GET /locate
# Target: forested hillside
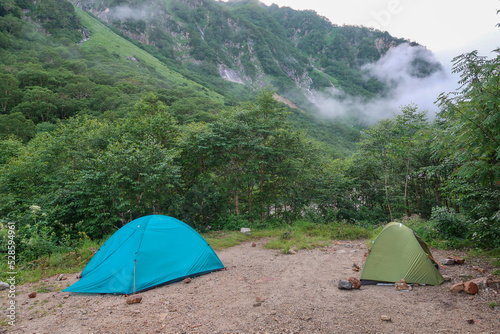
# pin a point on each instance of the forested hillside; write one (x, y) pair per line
(297, 52)
(111, 110)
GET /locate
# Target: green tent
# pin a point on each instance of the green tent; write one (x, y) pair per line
(399, 253)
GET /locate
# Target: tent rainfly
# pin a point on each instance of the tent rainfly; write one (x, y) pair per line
(145, 253)
(399, 253)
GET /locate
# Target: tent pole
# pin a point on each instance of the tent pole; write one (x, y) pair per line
(134, 277)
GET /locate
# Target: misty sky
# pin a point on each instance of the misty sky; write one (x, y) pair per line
(446, 27)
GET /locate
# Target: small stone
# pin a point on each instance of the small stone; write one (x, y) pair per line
(385, 318)
(447, 278)
(356, 283)
(345, 285)
(260, 299)
(254, 244)
(494, 284)
(32, 295)
(134, 299)
(257, 304)
(470, 321)
(4, 285)
(187, 280)
(481, 282)
(403, 286)
(456, 288)
(456, 259)
(448, 262)
(246, 231)
(59, 277)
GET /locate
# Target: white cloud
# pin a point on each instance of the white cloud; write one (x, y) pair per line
(125, 12)
(397, 69)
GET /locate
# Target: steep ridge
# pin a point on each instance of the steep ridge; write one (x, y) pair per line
(299, 53)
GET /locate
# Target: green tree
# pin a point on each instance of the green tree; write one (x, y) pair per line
(408, 127)
(9, 91)
(469, 144)
(152, 118)
(18, 125)
(471, 119)
(38, 104)
(251, 158)
(395, 156)
(9, 148)
(59, 18)
(375, 144)
(124, 182)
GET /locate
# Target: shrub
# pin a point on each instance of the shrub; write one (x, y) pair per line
(486, 232)
(449, 223)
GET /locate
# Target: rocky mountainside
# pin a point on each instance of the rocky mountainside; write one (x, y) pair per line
(299, 53)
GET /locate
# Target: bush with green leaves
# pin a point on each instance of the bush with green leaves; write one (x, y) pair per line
(449, 223)
(486, 232)
(35, 235)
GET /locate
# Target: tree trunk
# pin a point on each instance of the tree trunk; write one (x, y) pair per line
(236, 202)
(436, 191)
(407, 204)
(385, 184)
(249, 201)
(262, 190)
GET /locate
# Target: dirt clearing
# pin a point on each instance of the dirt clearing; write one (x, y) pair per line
(265, 291)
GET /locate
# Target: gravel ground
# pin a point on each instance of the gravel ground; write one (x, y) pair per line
(264, 291)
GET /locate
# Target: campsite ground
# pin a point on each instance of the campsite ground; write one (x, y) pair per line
(265, 291)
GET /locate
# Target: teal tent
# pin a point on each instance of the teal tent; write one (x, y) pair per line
(147, 252)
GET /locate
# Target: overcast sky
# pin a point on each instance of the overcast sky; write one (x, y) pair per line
(446, 27)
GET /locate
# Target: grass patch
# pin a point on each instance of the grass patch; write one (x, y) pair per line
(307, 235)
(220, 240)
(57, 263)
(104, 39)
(301, 235)
(492, 256)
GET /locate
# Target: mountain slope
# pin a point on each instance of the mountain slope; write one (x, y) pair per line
(196, 56)
(105, 42)
(299, 53)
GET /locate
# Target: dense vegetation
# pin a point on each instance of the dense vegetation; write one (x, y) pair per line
(94, 136)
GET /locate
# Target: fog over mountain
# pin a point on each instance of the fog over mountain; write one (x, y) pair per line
(125, 12)
(399, 69)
